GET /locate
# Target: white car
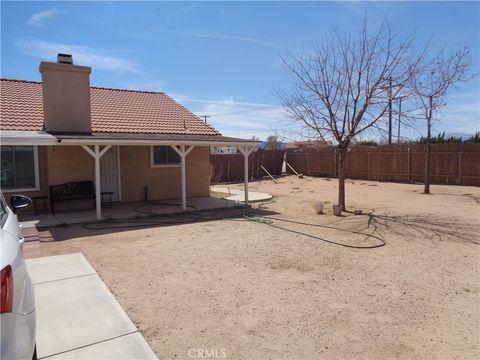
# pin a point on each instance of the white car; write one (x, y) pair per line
(17, 307)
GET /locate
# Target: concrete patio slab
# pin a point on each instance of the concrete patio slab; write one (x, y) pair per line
(132, 346)
(252, 197)
(239, 195)
(77, 315)
(72, 265)
(122, 211)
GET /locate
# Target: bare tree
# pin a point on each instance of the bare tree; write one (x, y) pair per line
(273, 143)
(341, 89)
(431, 89)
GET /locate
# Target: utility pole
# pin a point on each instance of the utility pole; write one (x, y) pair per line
(390, 110)
(205, 117)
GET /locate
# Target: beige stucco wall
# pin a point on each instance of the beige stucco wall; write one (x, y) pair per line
(198, 172)
(69, 163)
(66, 97)
(61, 164)
(164, 182)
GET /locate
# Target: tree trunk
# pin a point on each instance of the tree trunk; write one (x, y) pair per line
(341, 177)
(390, 111)
(426, 189)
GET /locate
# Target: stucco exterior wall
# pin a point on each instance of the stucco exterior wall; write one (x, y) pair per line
(66, 97)
(163, 182)
(69, 163)
(61, 164)
(198, 172)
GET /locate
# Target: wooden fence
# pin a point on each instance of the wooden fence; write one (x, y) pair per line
(229, 167)
(450, 163)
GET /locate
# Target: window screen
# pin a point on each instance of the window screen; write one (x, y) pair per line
(165, 155)
(18, 167)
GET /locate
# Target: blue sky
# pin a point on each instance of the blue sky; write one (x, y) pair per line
(222, 58)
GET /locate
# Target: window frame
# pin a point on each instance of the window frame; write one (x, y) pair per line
(36, 171)
(152, 159)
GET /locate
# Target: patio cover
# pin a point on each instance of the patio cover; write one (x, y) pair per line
(97, 144)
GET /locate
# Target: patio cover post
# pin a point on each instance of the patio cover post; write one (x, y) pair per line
(246, 151)
(97, 154)
(183, 152)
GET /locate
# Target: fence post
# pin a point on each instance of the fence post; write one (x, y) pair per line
(308, 172)
(253, 166)
(334, 162)
(459, 168)
(257, 162)
(408, 163)
(228, 170)
(368, 165)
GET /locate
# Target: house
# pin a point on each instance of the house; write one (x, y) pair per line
(63, 130)
(217, 150)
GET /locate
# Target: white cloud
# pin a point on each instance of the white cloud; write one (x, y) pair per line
(237, 118)
(39, 18)
(246, 119)
(209, 35)
(99, 59)
(226, 100)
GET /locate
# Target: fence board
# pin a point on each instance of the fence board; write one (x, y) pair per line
(450, 163)
(229, 167)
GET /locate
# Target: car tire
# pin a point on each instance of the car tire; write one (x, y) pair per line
(34, 356)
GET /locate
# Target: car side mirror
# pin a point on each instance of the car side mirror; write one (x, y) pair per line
(19, 202)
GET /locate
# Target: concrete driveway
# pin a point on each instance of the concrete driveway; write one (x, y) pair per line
(77, 316)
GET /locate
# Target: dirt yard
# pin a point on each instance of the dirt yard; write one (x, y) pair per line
(291, 289)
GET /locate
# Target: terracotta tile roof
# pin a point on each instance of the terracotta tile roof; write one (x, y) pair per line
(21, 105)
(113, 111)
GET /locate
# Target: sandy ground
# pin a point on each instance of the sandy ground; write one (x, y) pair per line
(292, 291)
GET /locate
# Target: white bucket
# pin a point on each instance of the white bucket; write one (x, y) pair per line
(319, 207)
(337, 210)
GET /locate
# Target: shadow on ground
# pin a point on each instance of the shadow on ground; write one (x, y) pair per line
(424, 227)
(67, 232)
(359, 232)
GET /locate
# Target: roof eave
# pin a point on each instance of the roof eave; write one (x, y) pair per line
(43, 138)
(17, 137)
(153, 142)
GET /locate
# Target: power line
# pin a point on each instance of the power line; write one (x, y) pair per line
(260, 108)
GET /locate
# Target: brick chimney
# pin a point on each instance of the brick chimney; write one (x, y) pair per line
(66, 96)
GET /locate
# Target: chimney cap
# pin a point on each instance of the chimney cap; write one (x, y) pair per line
(64, 59)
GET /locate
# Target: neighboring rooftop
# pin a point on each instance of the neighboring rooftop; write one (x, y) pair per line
(112, 111)
(309, 144)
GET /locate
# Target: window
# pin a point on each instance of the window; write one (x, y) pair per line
(19, 168)
(3, 210)
(164, 156)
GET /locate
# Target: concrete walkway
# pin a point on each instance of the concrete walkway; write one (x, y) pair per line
(77, 316)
